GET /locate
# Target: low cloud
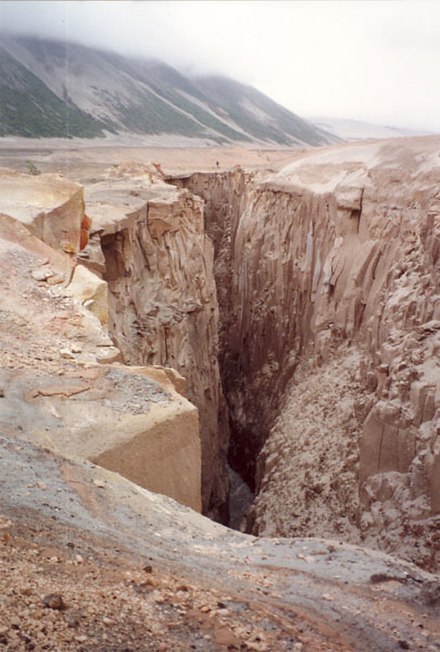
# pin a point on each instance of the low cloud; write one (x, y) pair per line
(375, 61)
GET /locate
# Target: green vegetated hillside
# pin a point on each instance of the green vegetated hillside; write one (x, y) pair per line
(29, 108)
(48, 88)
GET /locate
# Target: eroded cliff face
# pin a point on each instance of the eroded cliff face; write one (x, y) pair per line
(58, 389)
(312, 296)
(158, 264)
(330, 341)
(224, 195)
(90, 557)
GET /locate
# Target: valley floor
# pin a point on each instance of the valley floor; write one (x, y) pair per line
(80, 158)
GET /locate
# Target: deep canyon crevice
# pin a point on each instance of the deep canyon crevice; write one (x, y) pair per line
(163, 311)
(314, 294)
(89, 443)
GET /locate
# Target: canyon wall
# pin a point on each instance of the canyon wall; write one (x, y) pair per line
(158, 264)
(92, 559)
(224, 195)
(331, 345)
(57, 389)
(310, 297)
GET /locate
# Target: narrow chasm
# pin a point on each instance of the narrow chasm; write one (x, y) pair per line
(253, 342)
(224, 200)
(304, 319)
(323, 293)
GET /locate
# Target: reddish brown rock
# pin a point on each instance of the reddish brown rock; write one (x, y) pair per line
(49, 205)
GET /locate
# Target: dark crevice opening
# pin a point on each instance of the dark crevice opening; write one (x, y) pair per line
(222, 193)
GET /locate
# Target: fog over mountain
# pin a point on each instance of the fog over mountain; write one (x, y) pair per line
(61, 89)
(369, 61)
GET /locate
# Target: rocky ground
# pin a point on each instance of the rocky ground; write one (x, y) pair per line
(90, 561)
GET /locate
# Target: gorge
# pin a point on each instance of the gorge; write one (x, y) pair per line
(329, 342)
(309, 299)
(297, 308)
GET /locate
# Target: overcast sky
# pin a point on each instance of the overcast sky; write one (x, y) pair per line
(376, 60)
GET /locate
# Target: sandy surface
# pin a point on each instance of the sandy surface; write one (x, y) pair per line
(89, 562)
(78, 159)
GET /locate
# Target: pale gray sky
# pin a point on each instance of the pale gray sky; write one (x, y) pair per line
(368, 60)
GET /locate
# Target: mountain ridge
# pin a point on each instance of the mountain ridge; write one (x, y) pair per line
(348, 129)
(63, 89)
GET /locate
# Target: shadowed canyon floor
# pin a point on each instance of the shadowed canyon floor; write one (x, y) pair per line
(298, 310)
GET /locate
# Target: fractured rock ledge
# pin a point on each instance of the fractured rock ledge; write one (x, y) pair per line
(51, 206)
(148, 243)
(57, 390)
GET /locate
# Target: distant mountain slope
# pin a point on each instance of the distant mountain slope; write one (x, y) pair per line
(49, 88)
(358, 130)
(28, 107)
(258, 115)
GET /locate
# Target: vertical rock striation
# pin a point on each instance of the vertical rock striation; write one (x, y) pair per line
(162, 300)
(330, 344)
(224, 195)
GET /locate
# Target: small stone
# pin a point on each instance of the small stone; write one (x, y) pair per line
(56, 279)
(99, 483)
(54, 601)
(28, 641)
(41, 273)
(328, 597)
(404, 645)
(69, 248)
(159, 600)
(72, 619)
(67, 354)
